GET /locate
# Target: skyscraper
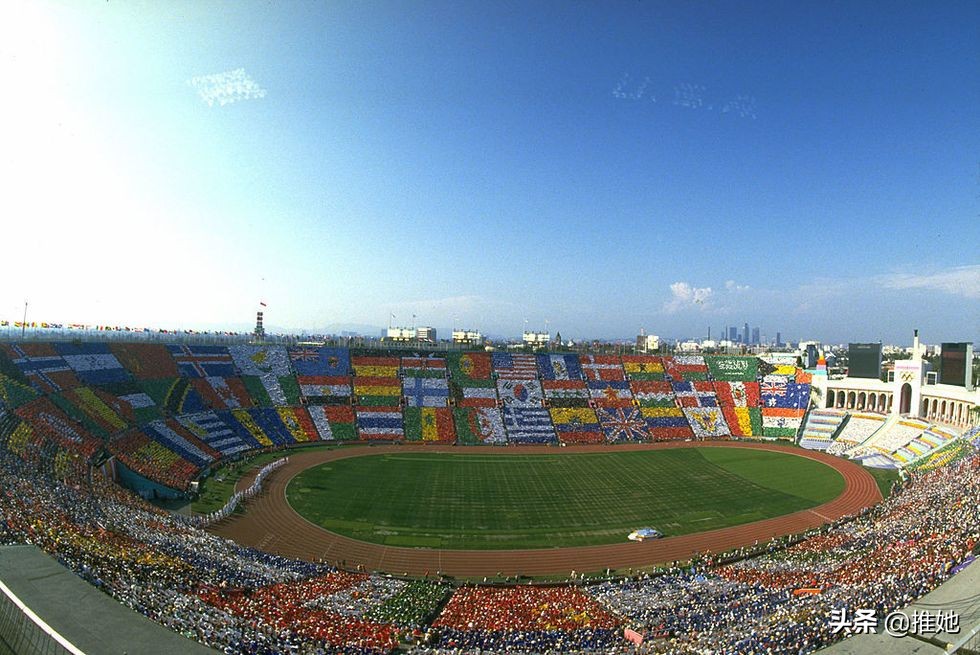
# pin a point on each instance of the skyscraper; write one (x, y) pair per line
(745, 334)
(755, 336)
(779, 339)
(733, 334)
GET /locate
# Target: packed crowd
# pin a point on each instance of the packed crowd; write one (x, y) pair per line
(234, 599)
(241, 600)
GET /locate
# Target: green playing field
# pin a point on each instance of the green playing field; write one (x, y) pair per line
(483, 501)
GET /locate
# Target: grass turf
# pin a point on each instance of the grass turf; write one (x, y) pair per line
(474, 501)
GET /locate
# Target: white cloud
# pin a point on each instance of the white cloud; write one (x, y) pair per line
(226, 88)
(733, 286)
(960, 281)
(684, 296)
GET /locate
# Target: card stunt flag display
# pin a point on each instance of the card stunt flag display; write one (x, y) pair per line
(643, 367)
(515, 367)
(323, 361)
(528, 424)
(470, 369)
(425, 392)
(602, 367)
(733, 369)
(576, 425)
(429, 424)
(559, 367)
(520, 392)
(479, 425)
(623, 424)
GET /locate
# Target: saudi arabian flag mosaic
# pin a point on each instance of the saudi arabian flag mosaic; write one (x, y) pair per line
(733, 369)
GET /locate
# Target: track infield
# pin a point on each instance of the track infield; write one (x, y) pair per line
(471, 500)
(270, 524)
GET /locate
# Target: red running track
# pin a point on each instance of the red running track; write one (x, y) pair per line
(270, 524)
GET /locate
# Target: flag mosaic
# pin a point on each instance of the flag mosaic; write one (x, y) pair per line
(479, 425)
(653, 393)
(576, 425)
(169, 433)
(743, 421)
(242, 422)
(733, 369)
(510, 366)
(429, 424)
(666, 423)
(210, 428)
(425, 392)
(43, 366)
(333, 422)
(222, 393)
(566, 393)
(707, 422)
(378, 391)
(50, 422)
(784, 394)
(268, 364)
(623, 424)
(298, 423)
(93, 363)
(202, 361)
(526, 393)
(323, 361)
(779, 425)
(175, 396)
(471, 369)
(643, 367)
(14, 393)
(145, 361)
(94, 404)
(560, 367)
(472, 396)
(737, 394)
(602, 367)
(424, 367)
(325, 390)
(686, 367)
(695, 394)
(610, 393)
(375, 367)
(267, 418)
(528, 424)
(379, 423)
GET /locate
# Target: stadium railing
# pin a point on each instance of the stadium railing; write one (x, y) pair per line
(23, 631)
(968, 643)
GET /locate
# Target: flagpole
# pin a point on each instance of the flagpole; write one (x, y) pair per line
(23, 325)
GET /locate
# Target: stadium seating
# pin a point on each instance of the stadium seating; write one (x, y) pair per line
(479, 425)
(237, 599)
(858, 428)
(528, 425)
(429, 424)
(576, 425)
(821, 427)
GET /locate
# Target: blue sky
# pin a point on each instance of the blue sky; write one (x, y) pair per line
(593, 168)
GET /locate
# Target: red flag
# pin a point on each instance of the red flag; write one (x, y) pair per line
(633, 636)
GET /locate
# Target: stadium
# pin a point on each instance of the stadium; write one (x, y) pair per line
(440, 501)
(489, 328)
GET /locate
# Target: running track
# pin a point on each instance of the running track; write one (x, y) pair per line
(271, 525)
